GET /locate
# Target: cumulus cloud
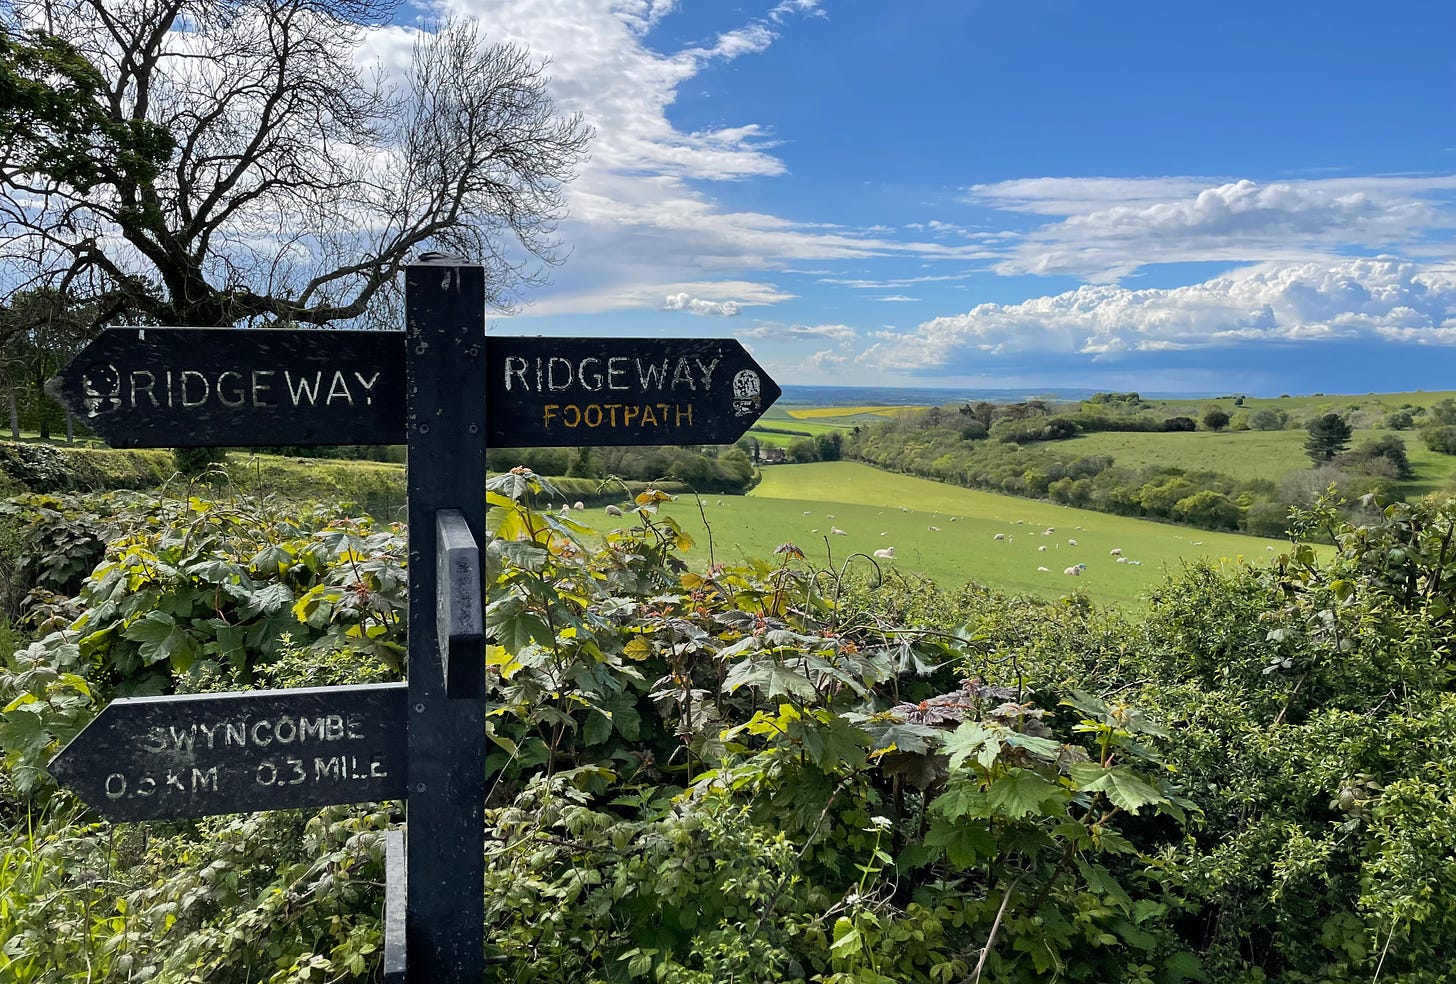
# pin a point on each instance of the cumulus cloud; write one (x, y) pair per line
(1365, 299)
(696, 305)
(1111, 227)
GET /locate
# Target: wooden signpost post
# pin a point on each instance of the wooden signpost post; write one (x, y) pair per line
(447, 391)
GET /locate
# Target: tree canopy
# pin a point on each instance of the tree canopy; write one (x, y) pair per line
(1328, 436)
(216, 162)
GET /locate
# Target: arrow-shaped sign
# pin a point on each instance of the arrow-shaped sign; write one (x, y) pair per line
(191, 387)
(156, 758)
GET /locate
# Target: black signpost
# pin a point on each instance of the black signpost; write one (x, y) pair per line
(447, 391)
(202, 387)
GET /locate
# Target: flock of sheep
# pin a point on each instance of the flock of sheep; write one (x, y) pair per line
(1072, 570)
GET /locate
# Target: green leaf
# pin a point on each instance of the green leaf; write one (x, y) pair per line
(266, 601)
(162, 639)
(846, 939)
(973, 740)
(598, 728)
(1021, 791)
(1046, 748)
(1119, 784)
(527, 556)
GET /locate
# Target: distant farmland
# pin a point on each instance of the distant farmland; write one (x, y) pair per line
(801, 504)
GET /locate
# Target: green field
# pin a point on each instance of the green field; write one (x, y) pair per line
(802, 503)
(1248, 455)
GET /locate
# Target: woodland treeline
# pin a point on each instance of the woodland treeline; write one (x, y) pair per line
(1021, 449)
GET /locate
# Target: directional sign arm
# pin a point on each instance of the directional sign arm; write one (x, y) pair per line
(157, 758)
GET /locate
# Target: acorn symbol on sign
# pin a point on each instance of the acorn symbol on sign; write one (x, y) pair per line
(747, 392)
(101, 389)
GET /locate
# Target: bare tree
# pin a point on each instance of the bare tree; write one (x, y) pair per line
(217, 162)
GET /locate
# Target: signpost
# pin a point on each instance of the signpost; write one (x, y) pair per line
(447, 391)
(199, 387)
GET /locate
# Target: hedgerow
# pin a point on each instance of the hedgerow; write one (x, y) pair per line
(770, 772)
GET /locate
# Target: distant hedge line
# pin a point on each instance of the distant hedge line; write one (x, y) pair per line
(375, 487)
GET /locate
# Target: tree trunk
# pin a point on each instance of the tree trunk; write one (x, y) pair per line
(70, 428)
(14, 415)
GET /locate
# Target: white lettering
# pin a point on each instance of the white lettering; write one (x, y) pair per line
(303, 389)
(368, 385)
(339, 390)
(238, 392)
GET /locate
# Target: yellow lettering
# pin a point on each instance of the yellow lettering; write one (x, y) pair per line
(547, 412)
(571, 415)
(681, 407)
(587, 415)
(631, 413)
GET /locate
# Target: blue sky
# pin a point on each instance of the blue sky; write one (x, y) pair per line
(1253, 197)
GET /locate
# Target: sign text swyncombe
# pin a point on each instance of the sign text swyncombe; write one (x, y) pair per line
(295, 749)
(681, 379)
(203, 754)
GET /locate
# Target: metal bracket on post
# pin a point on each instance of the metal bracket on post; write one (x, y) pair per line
(395, 895)
(460, 627)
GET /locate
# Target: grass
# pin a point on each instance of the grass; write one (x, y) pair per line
(1248, 455)
(800, 504)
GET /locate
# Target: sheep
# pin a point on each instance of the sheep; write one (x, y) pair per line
(1042, 548)
(935, 529)
(1049, 531)
(614, 511)
(1075, 570)
(837, 531)
(1044, 570)
(885, 553)
(1122, 560)
(1071, 542)
(1115, 552)
(829, 515)
(578, 505)
(884, 532)
(999, 536)
(1197, 543)
(806, 512)
(954, 518)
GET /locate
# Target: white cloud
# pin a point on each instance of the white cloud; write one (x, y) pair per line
(649, 294)
(1382, 298)
(1111, 227)
(839, 333)
(683, 301)
(897, 297)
